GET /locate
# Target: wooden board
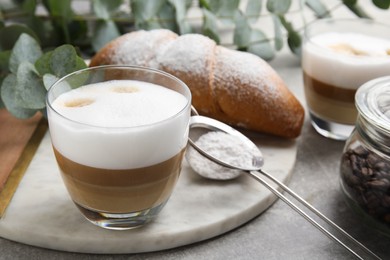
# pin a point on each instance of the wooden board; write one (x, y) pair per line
(19, 140)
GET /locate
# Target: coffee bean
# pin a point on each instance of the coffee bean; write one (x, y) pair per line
(353, 180)
(382, 184)
(372, 201)
(386, 201)
(380, 165)
(361, 151)
(373, 160)
(355, 164)
(366, 171)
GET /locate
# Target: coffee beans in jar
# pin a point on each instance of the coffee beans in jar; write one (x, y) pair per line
(365, 163)
(366, 178)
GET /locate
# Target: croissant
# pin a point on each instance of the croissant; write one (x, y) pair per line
(235, 87)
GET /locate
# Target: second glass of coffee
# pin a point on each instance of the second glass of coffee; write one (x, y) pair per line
(119, 134)
(338, 56)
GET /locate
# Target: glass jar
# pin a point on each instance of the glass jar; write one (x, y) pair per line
(365, 163)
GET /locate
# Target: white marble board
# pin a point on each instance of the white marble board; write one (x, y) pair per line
(42, 214)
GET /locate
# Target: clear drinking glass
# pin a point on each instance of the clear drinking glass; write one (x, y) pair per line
(365, 163)
(119, 177)
(338, 56)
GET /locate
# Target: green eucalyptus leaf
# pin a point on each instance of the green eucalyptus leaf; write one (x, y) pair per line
(278, 6)
(105, 31)
(355, 8)
(253, 10)
(10, 34)
(60, 62)
(29, 87)
(104, 8)
(49, 80)
(62, 12)
(166, 18)
(148, 25)
(43, 65)
(242, 31)
(26, 49)
(214, 5)
(44, 30)
(63, 60)
(4, 58)
(144, 10)
(293, 38)
(11, 99)
(80, 33)
(260, 45)
(288, 26)
(29, 6)
(350, 2)
(60, 8)
(295, 43)
(227, 9)
(383, 4)
(318, 7)
(80, 64)
(278, 32)
(224, 8)
(210, 27)
(79, 80)
(204, 4)
(181, 7)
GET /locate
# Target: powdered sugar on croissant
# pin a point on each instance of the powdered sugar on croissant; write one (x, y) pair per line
(236, 87)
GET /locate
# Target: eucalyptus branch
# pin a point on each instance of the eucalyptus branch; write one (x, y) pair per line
(31, 59)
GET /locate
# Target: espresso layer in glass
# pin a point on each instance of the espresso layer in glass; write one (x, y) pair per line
(120, 191)
(329, 102)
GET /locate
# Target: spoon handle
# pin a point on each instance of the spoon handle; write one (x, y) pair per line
(314, 210)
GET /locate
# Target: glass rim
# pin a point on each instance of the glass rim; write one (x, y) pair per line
(343, 20)
(366, 102)
(188, 95)
(309, 27)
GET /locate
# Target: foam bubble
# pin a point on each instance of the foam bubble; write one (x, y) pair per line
(346, 59)
(132, 128)
(78, 102)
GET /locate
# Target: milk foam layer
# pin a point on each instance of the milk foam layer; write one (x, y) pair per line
(120, 103)
(346, 60)
(121, 124)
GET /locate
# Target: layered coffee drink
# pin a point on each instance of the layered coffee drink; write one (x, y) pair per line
(119, 191)
(334, 66)
(119, 145)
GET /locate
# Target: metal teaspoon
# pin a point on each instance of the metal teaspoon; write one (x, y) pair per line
(255, 171)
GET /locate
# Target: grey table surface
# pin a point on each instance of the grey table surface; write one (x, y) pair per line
(278, 233)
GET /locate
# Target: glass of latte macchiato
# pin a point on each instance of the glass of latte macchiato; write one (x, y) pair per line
(338, 56)
(119, 134)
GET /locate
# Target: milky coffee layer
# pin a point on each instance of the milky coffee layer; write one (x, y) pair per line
(120, 124)
(346, 60)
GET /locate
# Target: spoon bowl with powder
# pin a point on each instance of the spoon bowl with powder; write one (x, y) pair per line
(220, 152)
